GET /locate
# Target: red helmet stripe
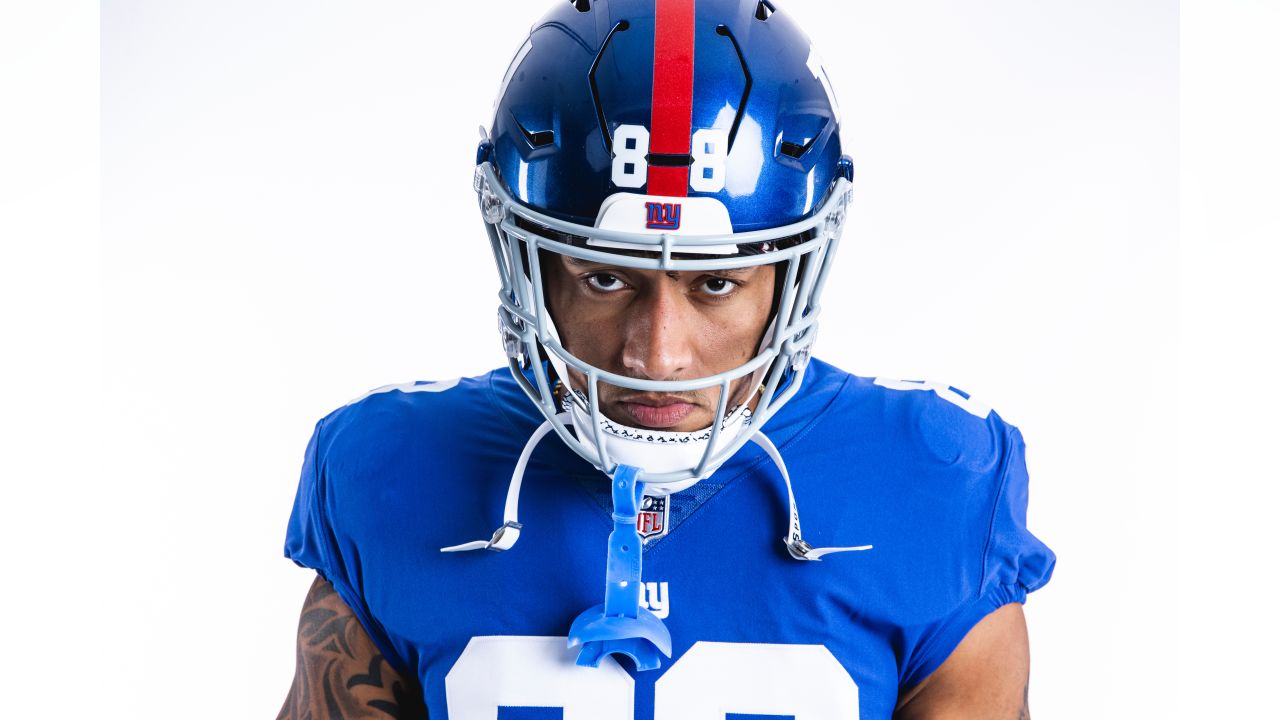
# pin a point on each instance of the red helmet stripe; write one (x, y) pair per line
(670, 125)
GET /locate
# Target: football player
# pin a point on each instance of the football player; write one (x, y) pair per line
(664, 190)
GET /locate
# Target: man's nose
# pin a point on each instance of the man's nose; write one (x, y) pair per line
(660, 334)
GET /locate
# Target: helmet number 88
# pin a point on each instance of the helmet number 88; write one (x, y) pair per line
(805, 682)
(631, 158)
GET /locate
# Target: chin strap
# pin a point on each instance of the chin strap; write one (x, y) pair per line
(796, 545)
(506, 536)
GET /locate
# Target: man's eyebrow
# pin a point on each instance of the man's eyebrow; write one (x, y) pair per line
(731, 272)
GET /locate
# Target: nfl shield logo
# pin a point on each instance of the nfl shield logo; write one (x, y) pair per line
(651, 522)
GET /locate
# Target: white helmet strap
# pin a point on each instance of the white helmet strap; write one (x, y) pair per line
(509, 532)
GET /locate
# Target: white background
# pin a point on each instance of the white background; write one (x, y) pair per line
(287, 221)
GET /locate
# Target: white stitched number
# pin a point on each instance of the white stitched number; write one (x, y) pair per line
(942, 390)
(412, 387)
(513, 671)
(630, 146)
(709, 149)
(631, 168)
(714, 678)
(710, 680)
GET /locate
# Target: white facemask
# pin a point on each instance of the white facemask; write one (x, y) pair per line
(654, 451)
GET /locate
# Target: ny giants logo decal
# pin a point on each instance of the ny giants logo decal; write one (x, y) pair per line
(662, 216)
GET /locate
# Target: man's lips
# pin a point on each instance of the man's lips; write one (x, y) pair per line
(657, 414)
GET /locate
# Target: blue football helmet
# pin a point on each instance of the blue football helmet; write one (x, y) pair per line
(677, 135)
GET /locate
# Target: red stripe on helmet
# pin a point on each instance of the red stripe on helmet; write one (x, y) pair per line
(670, 124)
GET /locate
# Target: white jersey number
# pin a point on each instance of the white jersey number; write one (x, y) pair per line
(710, 680)
(942, 390)
(412, 387)
(512, 671)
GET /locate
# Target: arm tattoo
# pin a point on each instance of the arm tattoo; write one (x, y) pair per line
(340, 674)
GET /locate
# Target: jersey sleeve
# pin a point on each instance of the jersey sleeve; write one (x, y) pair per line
(1013, 563)
(314, 541)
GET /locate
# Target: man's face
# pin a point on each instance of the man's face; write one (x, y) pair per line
(658, 325)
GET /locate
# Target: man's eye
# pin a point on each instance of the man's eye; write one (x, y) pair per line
(604, 282)
(718, 286)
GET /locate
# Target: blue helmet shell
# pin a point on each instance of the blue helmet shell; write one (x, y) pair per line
(588, 67)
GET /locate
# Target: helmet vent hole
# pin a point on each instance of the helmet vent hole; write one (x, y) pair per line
(541, 138)
(796, 150)
(764, 9)
(581, 5)
(536, 138)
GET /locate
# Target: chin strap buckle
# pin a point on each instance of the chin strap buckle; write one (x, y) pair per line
(502, 539)
(798, 548)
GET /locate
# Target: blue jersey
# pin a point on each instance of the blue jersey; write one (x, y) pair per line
(935, 483)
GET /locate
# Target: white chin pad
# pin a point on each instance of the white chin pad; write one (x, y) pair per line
(658, 451)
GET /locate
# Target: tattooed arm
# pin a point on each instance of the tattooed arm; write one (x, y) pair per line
(985, 678)
(341, 675)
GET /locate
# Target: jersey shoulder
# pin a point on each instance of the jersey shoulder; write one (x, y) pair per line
(390, 429)
(937, 482)
(931, 423)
